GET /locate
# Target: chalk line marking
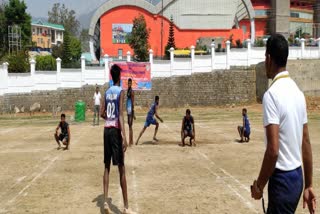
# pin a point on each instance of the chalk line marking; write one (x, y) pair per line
(247, 202)
(39, 175)
(172, 132)
(134, 184)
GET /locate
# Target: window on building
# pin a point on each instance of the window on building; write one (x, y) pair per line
(53, 36)
(262, 12)
(244, 29)
(301, 15)
(120, 53)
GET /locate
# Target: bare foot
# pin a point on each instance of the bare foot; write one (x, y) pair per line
(155, 139)
(66, 148)
(127, 211)
(59, 147)
(106, 208)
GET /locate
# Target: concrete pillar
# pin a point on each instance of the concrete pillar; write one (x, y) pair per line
(318, 42)
(228, 55)
(192, 48)
(248, 52)
(32, 71)
(106, 68)
(316, 9)
(151, 56)
(213, 55)
(280, 17)
(151, 61)
(4, 79)
(83, 70)
(128, 56)
(265, 40)
(253, 30)
(171, 60)
(92, 52)
(58, 77)
(303, 46)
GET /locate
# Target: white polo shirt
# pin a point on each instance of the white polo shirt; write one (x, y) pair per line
(97, 98)
(285, 105)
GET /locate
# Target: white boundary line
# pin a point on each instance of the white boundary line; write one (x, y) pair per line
(247, 202)
(39, 175)
(134, 185)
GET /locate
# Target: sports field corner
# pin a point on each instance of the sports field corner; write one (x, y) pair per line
(163, 177)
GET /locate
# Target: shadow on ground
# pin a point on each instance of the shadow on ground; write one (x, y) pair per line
(100, 203)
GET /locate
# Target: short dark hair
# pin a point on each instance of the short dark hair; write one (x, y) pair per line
(63, 115)
(278, 49)
(244, 110)
(188, 111)
(115, 72)
(156, 98)
(129, 80)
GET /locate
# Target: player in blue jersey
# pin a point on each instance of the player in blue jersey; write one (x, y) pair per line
(130, 110)
(153, 111)
(115, 143)
(244, 131)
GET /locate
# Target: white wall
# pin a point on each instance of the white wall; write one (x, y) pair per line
(75, 78)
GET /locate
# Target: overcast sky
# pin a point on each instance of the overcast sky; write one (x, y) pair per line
(40, 8)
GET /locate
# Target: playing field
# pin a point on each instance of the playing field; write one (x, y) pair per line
(214, 177)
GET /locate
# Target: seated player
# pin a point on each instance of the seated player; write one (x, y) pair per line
(64, 135)
(244, 131)
(188, 128)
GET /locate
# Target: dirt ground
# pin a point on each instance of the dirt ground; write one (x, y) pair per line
(214, 177)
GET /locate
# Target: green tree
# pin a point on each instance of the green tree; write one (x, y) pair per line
(59, 14)
(138, 40)
(84, 39)
(171, 41)
(18, 62)
(66, 53)
(15, 14)
(75, 48)
(46, 63)
(57, 51)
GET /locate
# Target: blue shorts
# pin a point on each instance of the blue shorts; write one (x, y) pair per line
(284, 191)
(150, 121)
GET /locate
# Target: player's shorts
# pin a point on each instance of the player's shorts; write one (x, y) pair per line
(63, 137)
(284, 191)
(188, 133)
(113, 147)
(150, 121)
(246, 134)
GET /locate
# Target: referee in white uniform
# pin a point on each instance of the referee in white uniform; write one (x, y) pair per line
(287, 138)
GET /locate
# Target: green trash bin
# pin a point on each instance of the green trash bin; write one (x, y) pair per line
(80, 113)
